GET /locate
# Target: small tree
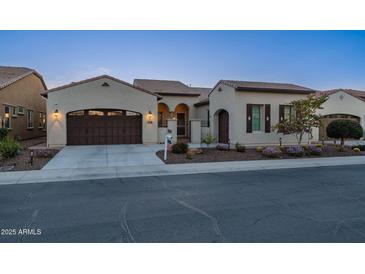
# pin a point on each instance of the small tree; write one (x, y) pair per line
(344, 129)
(208, 139)
(305, 118)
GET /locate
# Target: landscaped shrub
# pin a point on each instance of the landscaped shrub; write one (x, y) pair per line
(208, 139)
(240, 148)
(314, 150)
(9, 148)
(259, 149)
(296, 151)
(3, 133)
(356, 150)
(180, 148)
(319, 145)
(361, 147)
(272, 152)
(222, 147)
(344, 129)
(189, 155)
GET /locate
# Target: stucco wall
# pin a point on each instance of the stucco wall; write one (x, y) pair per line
(201, 112)
(93, 95)
(25, 93)
(343, 103)
(235, 103)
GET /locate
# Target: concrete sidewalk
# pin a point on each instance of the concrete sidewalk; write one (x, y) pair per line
(58, 175)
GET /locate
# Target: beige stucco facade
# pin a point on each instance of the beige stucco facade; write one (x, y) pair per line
(235, 103)
(25, 93)
(92, 95)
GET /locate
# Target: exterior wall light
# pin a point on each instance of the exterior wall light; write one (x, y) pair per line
(149, 117)
(55, 114)
(7, 115)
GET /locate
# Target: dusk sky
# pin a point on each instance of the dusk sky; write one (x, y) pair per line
(316, 59)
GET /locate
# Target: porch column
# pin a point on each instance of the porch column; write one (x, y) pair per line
(172, 125)
(195, 131)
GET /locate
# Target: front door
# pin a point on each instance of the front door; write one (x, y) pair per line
(181, 124)
(223, 127)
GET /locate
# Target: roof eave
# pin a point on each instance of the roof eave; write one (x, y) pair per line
(275, 90)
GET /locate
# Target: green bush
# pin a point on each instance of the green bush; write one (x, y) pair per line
(240, 148)
(356, 150)
(259, 149)
(180, 148)
(344, 129)
(9, 148)
(3, 133)
(208, 139)
(361, 147)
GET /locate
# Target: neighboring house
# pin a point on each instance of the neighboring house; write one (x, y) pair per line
(22, 108)
(245, 112)
(342, 104)
(179, 101)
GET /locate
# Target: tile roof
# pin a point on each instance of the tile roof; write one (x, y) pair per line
(10, 75)
(97, 78)
(266, 86)
(359, 94)
(165, 87)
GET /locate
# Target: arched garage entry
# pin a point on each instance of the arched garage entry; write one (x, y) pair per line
(104, 126)
(326, 119)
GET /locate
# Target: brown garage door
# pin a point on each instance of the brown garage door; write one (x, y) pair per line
(104, 126)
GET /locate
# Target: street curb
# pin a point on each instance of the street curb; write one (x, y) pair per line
(62, 175)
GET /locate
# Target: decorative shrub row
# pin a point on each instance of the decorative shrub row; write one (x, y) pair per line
(295, 151)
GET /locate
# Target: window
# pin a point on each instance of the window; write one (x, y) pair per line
(289, 113)
(41, 120)
(96, 113)
(7, 118)
(20, 110)
(14, 112)
(131, 113)
(257, 117)
(30, 119)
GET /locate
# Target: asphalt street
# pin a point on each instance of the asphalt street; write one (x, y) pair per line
(325, 204)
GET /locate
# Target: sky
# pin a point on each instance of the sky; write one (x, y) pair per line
(316, 59)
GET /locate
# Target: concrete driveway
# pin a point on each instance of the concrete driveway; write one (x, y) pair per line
(105, 156)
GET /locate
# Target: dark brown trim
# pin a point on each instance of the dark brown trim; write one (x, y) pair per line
(267, 118)
(274, 90)
(249, 118)
(281, 113)
(178, 94)
(203, 103)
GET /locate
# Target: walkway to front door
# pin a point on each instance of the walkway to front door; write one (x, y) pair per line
(105, 156)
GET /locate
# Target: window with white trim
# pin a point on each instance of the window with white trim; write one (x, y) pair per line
(14, 112)
(7, 117)
(20, 110)
(41, 120)
(30, 119)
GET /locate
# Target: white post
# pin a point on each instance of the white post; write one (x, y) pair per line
(168, 141)
(195, 131)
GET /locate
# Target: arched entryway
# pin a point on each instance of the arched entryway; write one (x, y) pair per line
(163, 114)
(326, 119)
(104, 126)
(181, 115)
(223, 127)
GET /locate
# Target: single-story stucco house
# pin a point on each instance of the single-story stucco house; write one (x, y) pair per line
(106, 110)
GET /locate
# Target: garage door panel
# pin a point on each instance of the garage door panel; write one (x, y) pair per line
(95, 130)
